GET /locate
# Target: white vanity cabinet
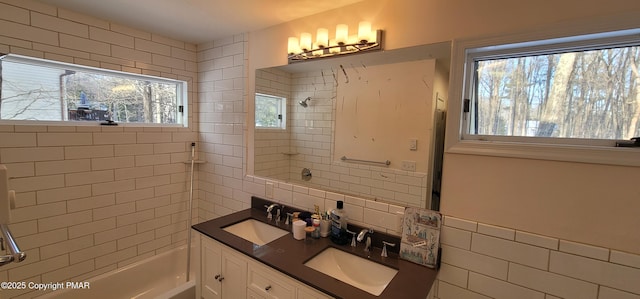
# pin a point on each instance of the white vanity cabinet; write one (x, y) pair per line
(269, 284)
(228, 274)
(223, 272)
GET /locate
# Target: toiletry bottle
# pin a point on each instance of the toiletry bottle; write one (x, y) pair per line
(339, 225)
(316, 229)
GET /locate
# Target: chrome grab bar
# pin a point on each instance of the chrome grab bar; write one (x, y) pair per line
(15, 255)
(345, 159)
(7, 198)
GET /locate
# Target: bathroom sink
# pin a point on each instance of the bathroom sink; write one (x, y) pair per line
(361, 273)
(255, 231)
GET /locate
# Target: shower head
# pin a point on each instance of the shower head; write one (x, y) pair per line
(304, 102)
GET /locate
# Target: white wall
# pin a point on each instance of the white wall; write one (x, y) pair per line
(91, 199)
(380, 107)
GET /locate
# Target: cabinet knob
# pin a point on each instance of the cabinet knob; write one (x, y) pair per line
(267, 288)
(221, 278)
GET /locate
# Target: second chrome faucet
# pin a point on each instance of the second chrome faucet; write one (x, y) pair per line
(361, 236)
(270, 208)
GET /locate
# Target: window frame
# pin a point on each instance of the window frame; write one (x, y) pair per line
(283, 110)
(596, 151)
(181, 92)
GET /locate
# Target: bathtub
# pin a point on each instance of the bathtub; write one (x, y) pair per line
(160, 277)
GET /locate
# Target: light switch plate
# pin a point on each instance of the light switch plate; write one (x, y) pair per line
(413, 144)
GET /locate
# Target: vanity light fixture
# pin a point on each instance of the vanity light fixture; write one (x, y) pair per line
(305, 48)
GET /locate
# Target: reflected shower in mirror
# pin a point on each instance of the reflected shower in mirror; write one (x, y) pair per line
(303, 103)
(373, 107)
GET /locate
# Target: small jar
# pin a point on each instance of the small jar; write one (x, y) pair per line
(316, 231)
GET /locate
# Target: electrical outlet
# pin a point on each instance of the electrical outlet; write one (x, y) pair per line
(408, 165)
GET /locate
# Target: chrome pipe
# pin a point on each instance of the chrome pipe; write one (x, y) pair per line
(190, 208)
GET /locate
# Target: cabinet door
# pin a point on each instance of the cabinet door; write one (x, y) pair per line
(211, 256)
(270, 284)
(224, 274)
(234, 275)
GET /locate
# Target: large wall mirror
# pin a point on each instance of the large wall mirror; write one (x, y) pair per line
(369, 125)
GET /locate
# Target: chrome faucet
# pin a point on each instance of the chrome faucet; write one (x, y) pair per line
(384, 248)
(353, 237)
(269, 209)
(367, 245)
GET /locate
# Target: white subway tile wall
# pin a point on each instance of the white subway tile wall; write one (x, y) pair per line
(221, 100)
(272, 148)
(475, 263)
(91, 199)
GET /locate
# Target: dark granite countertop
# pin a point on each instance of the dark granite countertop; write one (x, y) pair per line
(289, 255)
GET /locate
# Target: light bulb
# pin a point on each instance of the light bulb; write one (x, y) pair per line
(322, 38)
(364, 32)
(293, 45)
(305, 41)
(342, 33)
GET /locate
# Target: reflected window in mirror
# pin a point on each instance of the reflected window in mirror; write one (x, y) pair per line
(271, 111)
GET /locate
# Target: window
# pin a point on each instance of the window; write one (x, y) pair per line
(270, 111)
(581, 90)
(43, 90)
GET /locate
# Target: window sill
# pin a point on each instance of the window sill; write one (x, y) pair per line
(270, 129)
(583, 154)
(83, 124)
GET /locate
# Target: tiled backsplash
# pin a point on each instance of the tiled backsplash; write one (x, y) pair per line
(484, 261)
(366, 213)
